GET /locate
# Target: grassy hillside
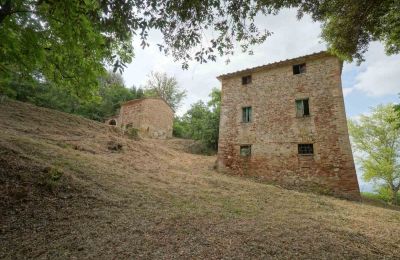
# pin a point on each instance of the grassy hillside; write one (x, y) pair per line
(72, 187)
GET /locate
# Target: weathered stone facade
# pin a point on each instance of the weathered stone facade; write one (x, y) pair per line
(152, 117)
(275, 129)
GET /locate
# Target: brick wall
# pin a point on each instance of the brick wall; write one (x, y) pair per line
(275, 131)
(151, 116)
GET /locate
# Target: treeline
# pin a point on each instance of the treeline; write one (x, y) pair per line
(102, 102)
(201, 122)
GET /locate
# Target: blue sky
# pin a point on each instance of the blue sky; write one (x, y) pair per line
(376, 81)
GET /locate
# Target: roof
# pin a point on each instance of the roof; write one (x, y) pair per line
(133, 101)
(276, 64)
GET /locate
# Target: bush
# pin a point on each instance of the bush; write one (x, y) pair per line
(382, 195)
(133, 133)
(51, 178)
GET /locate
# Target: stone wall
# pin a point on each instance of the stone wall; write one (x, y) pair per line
(275, 131)
(153, 117)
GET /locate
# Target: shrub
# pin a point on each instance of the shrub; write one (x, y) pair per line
(51, 178)
(133, 133)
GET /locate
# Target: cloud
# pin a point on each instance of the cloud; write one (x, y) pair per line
(291, 38)
(347, 91)
(380, 74)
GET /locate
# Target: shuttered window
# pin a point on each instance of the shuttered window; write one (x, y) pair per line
(302, 108)
(246, 114)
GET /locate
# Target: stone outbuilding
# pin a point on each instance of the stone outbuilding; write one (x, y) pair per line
(151, 117)
(285, 123)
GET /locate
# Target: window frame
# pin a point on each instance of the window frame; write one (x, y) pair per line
(303, 151)
(299, 69)
(245, 146)
(247, 116)
(303, 108)
(246, 80)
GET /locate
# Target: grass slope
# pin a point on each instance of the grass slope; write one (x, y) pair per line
(65, 193)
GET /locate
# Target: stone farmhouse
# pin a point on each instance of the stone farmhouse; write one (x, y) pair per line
(285, 123)
(152, 117)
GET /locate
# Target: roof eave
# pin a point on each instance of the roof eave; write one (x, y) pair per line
(274, 64)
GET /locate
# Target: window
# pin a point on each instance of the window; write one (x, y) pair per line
(302, 108)
(246, 80)
(246, 114)
(245, 150)
(299, 68)
(306, 149)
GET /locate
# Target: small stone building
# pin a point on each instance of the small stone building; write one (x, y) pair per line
(285, 123)
(152, 117)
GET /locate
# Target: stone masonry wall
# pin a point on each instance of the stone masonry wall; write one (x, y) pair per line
(151, 116)
(275, 130)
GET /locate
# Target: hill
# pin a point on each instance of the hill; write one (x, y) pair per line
(75, 188)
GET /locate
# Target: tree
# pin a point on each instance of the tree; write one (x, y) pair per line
(69, 42)
(377, 137)
(201, 121)
(160, 85)
(349, 26)
(103, 102)
(63, 42)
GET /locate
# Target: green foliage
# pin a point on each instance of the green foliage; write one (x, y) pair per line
(201, 121)
(167, 88)
(377, 138)
(68, 43)
(51, 178)
(383, 195)
(349, 26)
(103, 102)
(133, 133)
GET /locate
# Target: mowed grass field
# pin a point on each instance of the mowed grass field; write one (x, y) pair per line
(75, 188)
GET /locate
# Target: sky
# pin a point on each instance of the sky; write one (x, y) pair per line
(376, 81)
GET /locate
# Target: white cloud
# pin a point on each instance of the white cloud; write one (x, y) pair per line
(347, 91)
(291, 38)
(380, 78)
(380, 74)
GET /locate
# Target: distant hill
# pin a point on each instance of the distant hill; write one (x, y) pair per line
(75, 188)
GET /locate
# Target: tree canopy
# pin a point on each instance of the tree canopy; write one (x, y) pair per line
(377, 138)
(104, 101)
(70, 42)
(161, 85)
(201, 121)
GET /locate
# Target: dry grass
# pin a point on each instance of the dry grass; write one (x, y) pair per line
(66, 193)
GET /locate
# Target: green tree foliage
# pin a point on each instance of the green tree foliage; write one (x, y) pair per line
(160, 85)
(68, 43)
(349, 26)
(201, 121)
(63, 42)
(377, 138)
(102, 103)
